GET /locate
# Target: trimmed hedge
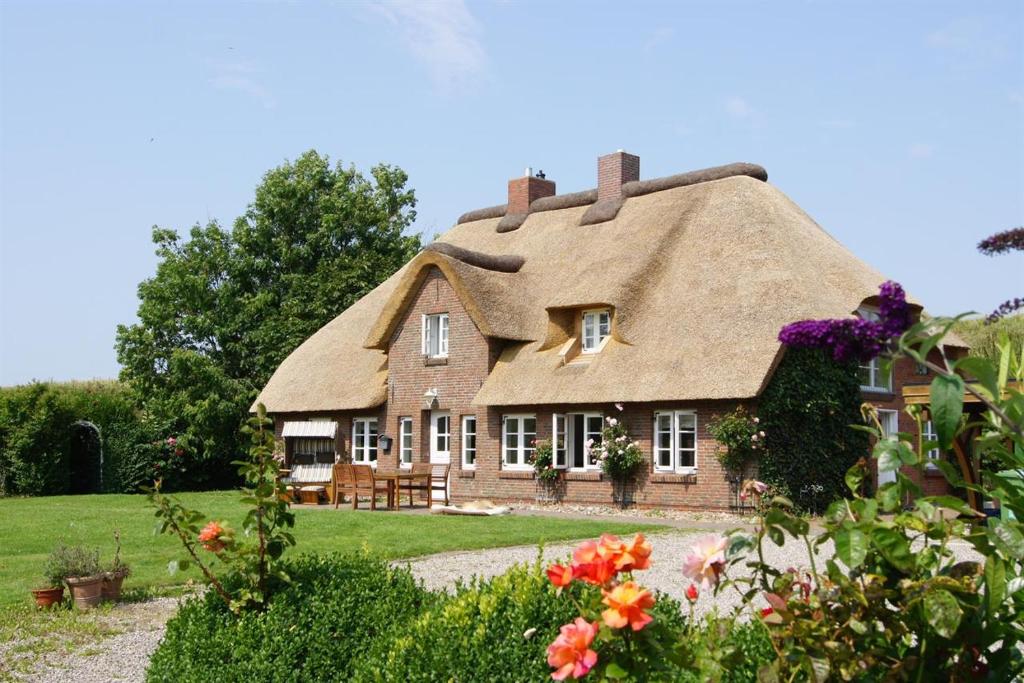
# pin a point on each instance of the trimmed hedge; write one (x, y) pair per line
(806, 412)
(315, 629)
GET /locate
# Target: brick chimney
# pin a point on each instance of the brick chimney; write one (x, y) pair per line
(613, 170)
(522, 192)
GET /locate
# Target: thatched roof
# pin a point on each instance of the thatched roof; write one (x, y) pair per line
(701, 276)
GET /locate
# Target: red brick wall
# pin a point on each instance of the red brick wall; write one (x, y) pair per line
(522, 192)
(613, 170)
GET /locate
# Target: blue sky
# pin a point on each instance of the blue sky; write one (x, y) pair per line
(898, 126)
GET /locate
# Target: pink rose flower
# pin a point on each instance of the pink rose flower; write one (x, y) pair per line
(706, 560)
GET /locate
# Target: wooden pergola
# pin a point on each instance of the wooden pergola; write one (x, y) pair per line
(919, 394)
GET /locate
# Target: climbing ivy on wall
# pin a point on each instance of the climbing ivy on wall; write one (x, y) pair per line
(806, 412)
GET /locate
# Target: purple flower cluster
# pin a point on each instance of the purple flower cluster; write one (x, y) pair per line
(854, 338)
(1005, 309)
(1002, 242)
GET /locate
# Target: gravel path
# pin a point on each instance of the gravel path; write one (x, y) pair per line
(122, 657)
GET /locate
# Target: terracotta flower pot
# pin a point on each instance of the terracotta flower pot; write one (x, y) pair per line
(48, 597)
(111, 589)
(87, 591)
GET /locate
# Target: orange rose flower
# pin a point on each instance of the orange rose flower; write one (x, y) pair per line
(560, 575)
(636, 555)
(210, 537)
(593, 562)
(626, 604)
(570, 654)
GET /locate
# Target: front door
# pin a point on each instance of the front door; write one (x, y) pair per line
(440, 443)
(890, 426)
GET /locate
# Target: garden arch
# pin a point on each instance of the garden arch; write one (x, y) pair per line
(85, 460)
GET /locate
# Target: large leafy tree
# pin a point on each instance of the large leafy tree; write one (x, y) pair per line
(226, 306)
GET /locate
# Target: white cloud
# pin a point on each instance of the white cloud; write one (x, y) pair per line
(838, 123)
(971, 40)
(738, 108)
(241, 77)
(921, 150)
(443, 35)
(660, 35)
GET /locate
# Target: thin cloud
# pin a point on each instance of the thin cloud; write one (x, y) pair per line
(921, 150)
(969, 39)
(838, 124)
(660, 35)
(443, 35)
(244, 78)
(738, 108)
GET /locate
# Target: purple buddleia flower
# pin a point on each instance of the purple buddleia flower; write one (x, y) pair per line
(1005, 309)
(854, 338)
(1002, 242)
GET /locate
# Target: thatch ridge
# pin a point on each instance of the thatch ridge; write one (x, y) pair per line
(511, 221)
(483, 214)
(637, 188)
(564, 201)
(506, 263)
(603, 210)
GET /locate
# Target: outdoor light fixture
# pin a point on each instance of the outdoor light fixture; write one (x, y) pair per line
(430, 398)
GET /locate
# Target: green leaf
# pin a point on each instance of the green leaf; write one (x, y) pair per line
(953, 503)
(613, 670)
(851, 546)
(942, 612)
(995, 585)
(947, 404)
(889, 460)
(894, 547)
(889, 496)
(854, 478)
(982, 370)
(821, 669)
(1007, 538)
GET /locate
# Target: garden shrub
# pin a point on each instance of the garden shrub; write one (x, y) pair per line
(315, 629)
(485, 632)
(806, 412)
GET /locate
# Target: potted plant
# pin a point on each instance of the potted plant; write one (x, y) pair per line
(53, 572)
(81, 569)
(115, 576)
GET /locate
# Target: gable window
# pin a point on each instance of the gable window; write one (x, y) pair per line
(435, 335)
(928, 434)
(468, 442)
(575, 441)
(364, 440)
(405, 441)
(675, 441)
(873, 375)
(596, 328)
(518, 438)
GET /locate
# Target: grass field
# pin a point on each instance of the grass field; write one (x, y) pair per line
(30, 527)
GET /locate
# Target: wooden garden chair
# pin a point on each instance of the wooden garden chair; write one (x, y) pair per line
(430, 477)
(341, 481)
(364, 482)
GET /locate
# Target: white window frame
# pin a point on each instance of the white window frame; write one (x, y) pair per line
(428, 322)
(559, 447)
(874, 366)
(466, 450)
(593, 343)
(523, 449)
(404, 430)
(675, 448)
(928, 433)
(361, 454)
(568, 446)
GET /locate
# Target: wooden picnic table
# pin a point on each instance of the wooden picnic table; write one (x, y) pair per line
(394, 482)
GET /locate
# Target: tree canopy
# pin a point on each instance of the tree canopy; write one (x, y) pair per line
(226, 306)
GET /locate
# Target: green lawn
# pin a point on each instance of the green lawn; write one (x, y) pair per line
(30, 527)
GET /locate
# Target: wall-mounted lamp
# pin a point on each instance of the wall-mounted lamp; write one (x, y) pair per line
(430, 399)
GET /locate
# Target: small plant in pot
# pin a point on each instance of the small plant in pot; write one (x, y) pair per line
(116, 574)
(81, 570)
(53, 594)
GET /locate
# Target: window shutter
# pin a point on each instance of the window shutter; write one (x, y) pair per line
(443, 345)
(425, 335)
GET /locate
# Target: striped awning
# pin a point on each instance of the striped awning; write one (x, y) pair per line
(319, 429)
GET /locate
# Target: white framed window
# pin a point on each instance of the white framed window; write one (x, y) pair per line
(405, 441)
(364, 440)
(675, 441)
(928, 433)
(468, 442)
(873, 375)
(576, 437)
(443, 433)
(435, 335)
(597, 326)
(558, 450)
(518, 439)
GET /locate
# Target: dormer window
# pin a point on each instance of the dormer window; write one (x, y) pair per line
(597, 325)
(435, 335)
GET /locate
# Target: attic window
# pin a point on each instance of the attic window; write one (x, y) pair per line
(435, 335)
(596, 328)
